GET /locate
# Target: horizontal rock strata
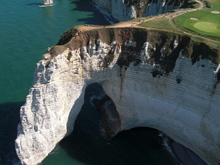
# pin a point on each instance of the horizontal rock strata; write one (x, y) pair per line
(155, 79)
(124, 10)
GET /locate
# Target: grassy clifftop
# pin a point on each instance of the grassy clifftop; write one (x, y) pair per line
(141, 5)
(204, 22)
(169, 2)
(156, 30)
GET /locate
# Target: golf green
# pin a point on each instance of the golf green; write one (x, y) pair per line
(206, 27)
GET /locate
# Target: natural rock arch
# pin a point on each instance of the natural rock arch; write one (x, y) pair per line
(146, 74)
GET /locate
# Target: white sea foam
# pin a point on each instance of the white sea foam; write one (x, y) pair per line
(165, 144)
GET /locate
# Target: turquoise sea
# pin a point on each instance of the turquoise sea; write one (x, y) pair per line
(26, 31)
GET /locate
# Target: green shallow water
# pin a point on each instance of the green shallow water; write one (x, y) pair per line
(26, 31)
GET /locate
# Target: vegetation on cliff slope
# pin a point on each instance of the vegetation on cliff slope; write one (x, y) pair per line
(141, 5)
(158, 26)
(158, 39)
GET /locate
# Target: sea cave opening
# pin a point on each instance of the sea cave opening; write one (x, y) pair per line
(87, 143)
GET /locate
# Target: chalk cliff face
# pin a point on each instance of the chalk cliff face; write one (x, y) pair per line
(124, 10)
(155, 79)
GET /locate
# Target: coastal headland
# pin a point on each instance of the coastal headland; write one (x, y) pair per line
(156, 75)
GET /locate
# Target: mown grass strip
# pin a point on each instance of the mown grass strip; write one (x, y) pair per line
(203, 22)
(158, 23)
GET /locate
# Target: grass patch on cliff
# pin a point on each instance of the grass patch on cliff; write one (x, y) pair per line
(159, 23)
(203, 22)
(162, 23)
(212, 44)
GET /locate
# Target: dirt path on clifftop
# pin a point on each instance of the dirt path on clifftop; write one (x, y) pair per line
(83, 28)
(135, 24)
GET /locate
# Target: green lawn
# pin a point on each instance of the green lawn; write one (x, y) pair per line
(158, 23)
(208, 23)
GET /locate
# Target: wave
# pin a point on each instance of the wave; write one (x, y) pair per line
(166, 144)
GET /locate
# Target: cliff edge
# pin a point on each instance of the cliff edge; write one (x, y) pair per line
(124, 10)
(155, 79)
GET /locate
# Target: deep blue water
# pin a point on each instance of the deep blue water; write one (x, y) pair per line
(26, 31)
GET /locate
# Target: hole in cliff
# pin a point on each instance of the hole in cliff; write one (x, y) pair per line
(178, 80)
(156, 73)
(218, 75)
(86, 143)
(110, 118)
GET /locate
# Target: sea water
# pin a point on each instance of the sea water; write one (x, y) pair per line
(26, 31)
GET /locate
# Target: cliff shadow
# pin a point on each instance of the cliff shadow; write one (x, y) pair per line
(91, 13)
(9, 119)
(87, 143)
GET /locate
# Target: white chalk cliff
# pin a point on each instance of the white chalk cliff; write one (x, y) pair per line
(122, 10)
(155, 79)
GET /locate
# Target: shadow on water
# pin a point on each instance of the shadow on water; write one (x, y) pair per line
(91, 18)
(34, 4)
(9, 119)
(87, 145)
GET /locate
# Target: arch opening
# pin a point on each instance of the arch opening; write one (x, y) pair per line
(87, 144)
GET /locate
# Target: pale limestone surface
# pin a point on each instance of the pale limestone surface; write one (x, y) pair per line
(159, 7)
(188, 112)
(123, 12)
